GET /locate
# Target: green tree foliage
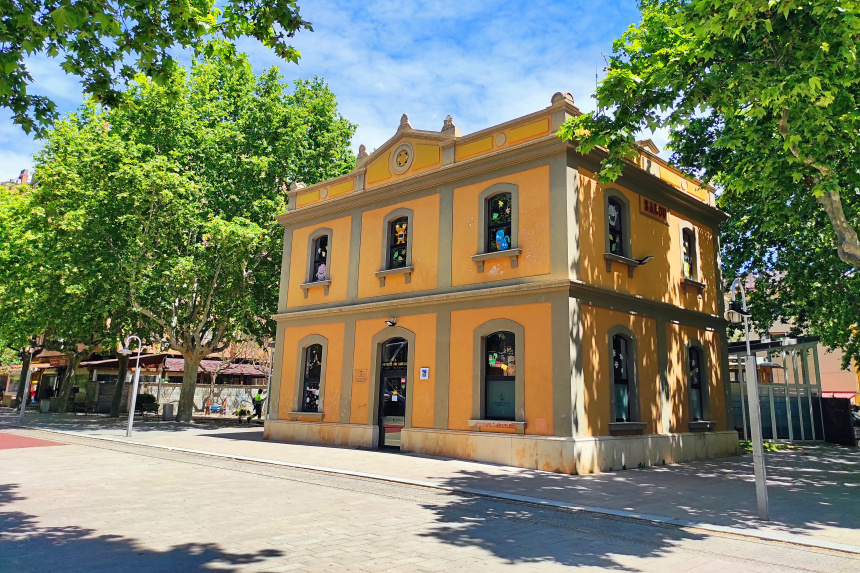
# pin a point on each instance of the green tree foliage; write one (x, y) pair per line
(106, 43)
(762, 99)
(179, 189)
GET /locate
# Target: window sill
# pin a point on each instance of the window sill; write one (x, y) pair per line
(307, 286)
(685, 282)
(493, 425)
(512, 253)
(399, 271)
(702, 426)
(626, 428)
(306, 416)
(611, 258)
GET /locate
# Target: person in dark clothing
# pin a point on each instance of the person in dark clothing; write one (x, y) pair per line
(258, 406)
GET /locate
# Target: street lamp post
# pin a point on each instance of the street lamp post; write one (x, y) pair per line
(127, 351)
(26, 383)
(754, 406)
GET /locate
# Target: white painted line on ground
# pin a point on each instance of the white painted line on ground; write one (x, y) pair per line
(765, 535)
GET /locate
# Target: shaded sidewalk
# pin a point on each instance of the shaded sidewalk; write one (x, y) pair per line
(814, 492)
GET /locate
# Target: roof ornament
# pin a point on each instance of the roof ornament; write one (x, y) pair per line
(448, 124)
(296, 185)
(404, 123)
(559, 96)
(362, 156)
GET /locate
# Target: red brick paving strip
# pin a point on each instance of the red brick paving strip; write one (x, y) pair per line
(11, 441)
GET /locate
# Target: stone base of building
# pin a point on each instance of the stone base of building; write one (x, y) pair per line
(561, 455)
(321, 433)
(572, 455)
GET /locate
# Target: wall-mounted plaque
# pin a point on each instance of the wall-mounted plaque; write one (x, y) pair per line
(654, 210)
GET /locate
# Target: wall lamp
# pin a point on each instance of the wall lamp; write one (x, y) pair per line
(391, 321)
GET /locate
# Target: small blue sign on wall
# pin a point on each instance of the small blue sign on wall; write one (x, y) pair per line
(424, 374)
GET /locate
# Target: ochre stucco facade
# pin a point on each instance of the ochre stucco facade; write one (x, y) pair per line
(483, 297)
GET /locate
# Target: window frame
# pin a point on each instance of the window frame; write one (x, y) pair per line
(626, 258)
(309, 265)
(385, 270)
(693, 281)
(514, 251)
(634, 405)
(704, 380)
(299, 382)
(479, 386)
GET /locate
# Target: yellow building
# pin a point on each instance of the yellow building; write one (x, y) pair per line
(483, 297)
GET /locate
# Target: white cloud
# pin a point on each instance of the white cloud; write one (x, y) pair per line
(483, 62)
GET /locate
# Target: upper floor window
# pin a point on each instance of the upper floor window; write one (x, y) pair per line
(694, 358)
(615, 214)
(398, 241)
(688, 253)
(312, 374)
(621, 386)
(319, 268)
(499, 218)
(500, 368)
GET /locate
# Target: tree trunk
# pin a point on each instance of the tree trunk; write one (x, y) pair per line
(67, 383)
(189, 383)
(25, 367)
(122, 374)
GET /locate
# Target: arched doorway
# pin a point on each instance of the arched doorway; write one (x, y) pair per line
(393, 390)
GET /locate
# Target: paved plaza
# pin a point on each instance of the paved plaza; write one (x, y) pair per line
(72, 503)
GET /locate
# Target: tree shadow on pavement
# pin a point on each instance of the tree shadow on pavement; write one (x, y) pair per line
(522, 533)
(28, 547)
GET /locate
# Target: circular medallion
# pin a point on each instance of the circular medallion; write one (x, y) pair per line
(401, 158)
(324, 193)
(500, 139)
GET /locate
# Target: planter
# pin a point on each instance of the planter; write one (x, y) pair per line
(45, 406)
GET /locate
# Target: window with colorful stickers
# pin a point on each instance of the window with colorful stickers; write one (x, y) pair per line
(313, 369)
(318, 270)
(621, 376)
(694, 357)
(398, 238)
(500, 376)
(688, 243)
(615, 226)
(499, 222)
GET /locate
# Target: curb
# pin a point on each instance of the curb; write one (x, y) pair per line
(767, 536)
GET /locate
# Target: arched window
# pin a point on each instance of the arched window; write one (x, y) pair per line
(319, 267)
(688, 253)
(500, 369)
(312, 373)
(621, 376)
(694, 369)
(398, 241)
(499, 217)
(615, 214)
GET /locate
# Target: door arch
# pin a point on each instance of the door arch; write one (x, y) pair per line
(375, 388)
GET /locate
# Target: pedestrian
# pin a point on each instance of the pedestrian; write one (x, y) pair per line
(258, 406)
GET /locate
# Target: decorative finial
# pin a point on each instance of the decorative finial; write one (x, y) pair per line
(404, 123)
(362, 155)
(558, 96)
(296, 185)
(448, 124)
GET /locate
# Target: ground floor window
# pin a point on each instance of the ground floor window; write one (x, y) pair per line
(694, 357)
(621, 378)
(311, 386)
(500, 376)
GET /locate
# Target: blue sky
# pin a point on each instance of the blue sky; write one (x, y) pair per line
(482, 62)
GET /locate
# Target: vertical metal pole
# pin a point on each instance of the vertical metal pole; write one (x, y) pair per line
(134, 392)
(804, 368)
(26, 393)
(758, 448)
(818, 384)
(787, 398)
(741, 377)
(797, 392)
